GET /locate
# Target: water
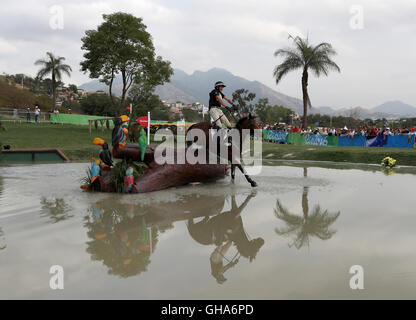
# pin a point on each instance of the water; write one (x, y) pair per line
(296, 236)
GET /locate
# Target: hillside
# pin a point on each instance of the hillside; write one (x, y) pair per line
(387, 112)
(196, 86)
(397, 108)
(12, 96)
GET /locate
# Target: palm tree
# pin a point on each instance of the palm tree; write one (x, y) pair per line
(54, 66)
(2, 247)
(316, 223)
(305, 56)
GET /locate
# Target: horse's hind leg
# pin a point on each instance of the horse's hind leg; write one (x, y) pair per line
(243, 171)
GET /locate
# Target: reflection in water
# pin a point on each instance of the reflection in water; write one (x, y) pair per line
(123, 236)
(2, 238)
(223, 230)
(56, 209)
(315, 223)
(388, 171)
(120, 237)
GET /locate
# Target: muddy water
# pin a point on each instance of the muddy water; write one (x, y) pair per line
(295, 236)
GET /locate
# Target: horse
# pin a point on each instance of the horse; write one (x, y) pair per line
(225, 226)
(246, 122)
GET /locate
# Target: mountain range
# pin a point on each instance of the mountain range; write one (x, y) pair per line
(196, 86)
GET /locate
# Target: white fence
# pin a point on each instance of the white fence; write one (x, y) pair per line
(18, 114)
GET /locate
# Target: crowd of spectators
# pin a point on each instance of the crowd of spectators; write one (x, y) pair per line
(368, 130)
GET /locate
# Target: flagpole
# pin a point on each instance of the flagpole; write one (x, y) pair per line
(148, 127)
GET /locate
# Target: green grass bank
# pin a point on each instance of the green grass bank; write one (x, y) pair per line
(274, 151)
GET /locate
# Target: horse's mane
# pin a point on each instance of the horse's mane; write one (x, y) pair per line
(208, 124)
(245, 118)
(240, 122)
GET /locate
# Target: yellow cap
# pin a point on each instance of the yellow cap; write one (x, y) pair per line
(98, 141)
(125, 118)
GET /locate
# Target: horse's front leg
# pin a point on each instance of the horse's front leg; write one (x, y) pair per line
(243, 171)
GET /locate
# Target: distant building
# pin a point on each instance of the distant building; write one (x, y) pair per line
(175, 110)
(179, 105)
(81, 92)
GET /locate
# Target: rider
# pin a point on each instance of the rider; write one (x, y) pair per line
(216, 100)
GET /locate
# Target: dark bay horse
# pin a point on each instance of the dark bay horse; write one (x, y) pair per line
(247, 122)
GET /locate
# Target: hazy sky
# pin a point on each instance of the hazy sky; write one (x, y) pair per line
(374, 40)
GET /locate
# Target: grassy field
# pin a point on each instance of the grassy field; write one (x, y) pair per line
(273, 151)
(76, 143)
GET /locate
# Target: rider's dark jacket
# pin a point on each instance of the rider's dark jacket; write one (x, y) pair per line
(213, 102)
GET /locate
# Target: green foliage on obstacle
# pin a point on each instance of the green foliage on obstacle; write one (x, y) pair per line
(118, 172)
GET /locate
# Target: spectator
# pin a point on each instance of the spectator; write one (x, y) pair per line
(37, 113)
(28, 115)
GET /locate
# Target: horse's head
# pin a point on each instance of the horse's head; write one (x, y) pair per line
(255, 246)
(248, 122)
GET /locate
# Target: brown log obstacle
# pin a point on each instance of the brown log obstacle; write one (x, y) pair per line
(158, 177)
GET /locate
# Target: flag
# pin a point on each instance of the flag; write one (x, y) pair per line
(143, 121)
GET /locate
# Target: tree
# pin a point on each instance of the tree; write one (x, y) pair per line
(74, 105)
(243, 97)
(143, 100)
(272, 114)
(305, 56)
(122, 46)
(97, 104)
(160, 113)
(73, 88)
(192, 115)
(315, 223)
(54, 66)
(266, 112)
